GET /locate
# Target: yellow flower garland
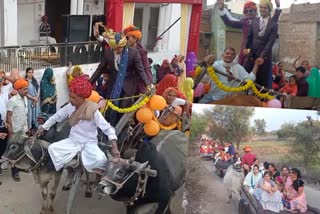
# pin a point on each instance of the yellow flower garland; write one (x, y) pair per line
(249, 84)
(198, 71)
(125, 110)
(173, 126)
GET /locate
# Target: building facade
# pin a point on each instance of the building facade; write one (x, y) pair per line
(20, 21)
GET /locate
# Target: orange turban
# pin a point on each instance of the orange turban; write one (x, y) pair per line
(132, 30)
(249, 5)
(247, 148)
(20, 83)
(94, 97)
(81, 87)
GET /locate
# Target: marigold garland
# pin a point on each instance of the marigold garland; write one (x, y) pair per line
(198, 71)
(126, 110)
(249, 84)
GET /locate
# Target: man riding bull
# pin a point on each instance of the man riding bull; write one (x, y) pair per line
(84, 119)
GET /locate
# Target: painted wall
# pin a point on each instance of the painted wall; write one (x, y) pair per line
(9, 30)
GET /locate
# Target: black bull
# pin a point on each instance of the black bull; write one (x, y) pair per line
(166, 153)
(31, 155)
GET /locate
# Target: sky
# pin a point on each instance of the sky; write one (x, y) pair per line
(283, 3)
(274, 117)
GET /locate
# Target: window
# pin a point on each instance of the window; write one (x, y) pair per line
(146, 17)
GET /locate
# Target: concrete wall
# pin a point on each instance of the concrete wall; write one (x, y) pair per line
(60, 77)
(299, 33)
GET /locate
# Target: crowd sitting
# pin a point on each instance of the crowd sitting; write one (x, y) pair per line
(274, 190)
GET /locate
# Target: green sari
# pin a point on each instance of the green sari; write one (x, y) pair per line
(48, 93)
(314, 83)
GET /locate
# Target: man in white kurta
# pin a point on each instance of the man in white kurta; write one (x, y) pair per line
(228, 66)
(83, 134)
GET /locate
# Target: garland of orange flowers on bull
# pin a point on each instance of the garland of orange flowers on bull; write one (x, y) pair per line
(249, 85)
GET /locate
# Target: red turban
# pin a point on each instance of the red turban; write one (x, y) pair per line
(81, 87)
(20, 83)
(249, 5)
(132, 30)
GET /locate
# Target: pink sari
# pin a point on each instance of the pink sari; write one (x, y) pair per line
(298, 203)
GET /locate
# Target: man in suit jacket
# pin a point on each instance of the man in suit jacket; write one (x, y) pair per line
(250, 12)
(123, 65)
(262, 35)
(134, 35)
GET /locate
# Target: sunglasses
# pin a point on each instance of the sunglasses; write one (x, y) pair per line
(249, 11)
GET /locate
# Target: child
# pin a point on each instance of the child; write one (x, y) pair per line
(290, 88)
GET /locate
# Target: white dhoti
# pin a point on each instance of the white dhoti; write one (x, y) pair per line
(65, 150)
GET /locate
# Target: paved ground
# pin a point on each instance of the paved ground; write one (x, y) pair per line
(25, 198)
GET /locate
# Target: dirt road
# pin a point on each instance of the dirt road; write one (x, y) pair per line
(24, 197)
(204, 189)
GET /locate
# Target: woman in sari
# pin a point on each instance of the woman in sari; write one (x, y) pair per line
(283, 179)
(314, 83)
(274, 172)
(168, 81)
(163, 70)
(268, 195)
(48, 93)
(76, 72)
(187, 88)
(33, 100)
(176, 106)
(294, 198)
(252, 178)
(182, 77)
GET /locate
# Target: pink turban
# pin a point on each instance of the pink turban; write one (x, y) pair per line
(81, 87)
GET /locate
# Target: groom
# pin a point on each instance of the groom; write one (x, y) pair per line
(123, 65)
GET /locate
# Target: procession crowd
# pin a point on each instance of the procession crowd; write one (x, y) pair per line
(275, 190)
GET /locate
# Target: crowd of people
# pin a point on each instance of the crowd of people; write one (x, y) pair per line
(21, 100)
(275, 190)
(254, 61)
(124, 72)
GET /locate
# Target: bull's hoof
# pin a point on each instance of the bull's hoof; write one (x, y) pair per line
(66, 187)
(88, 194)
